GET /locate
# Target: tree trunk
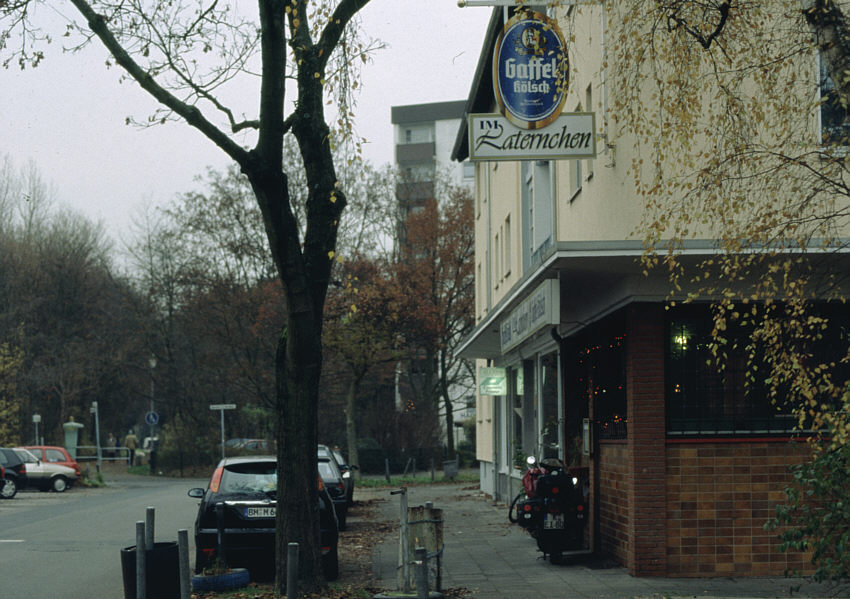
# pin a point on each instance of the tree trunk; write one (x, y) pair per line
(351, 425)
(297, 368)
(450, 425)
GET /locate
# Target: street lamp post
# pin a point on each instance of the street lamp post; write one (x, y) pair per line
(152, 363)
(94, 411)
(36, 418)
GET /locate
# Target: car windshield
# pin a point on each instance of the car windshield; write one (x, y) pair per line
(252, 477)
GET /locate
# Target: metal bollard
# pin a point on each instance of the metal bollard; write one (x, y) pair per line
(403, 558)
(141, 591)
(292, 570)
(185, 576)
(149, 526)
(421, 573)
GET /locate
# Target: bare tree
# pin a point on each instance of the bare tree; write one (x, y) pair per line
(185, 55)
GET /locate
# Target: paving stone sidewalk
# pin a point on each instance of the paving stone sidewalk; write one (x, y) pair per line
(494, 559)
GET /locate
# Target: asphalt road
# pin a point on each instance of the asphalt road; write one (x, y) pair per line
(68, 545)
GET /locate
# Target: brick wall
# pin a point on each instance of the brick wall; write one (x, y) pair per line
(646, 440)
(719, 495)
(613, 499)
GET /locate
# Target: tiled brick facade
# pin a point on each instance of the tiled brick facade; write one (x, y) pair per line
(613, 500)
(719, 495)
(646, 439)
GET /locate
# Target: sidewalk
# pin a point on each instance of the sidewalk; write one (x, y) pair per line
(494, 559)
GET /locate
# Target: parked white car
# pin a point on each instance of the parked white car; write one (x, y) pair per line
(46, 475)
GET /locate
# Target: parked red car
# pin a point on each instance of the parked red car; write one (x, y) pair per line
(54, 455)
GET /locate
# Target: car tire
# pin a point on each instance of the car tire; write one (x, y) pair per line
(59, 484)
(9, 488)
(330, 564)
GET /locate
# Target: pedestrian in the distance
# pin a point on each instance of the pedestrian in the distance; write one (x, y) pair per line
(130, 443)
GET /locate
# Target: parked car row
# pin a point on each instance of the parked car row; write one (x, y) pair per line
(40, 466)
(241, 500)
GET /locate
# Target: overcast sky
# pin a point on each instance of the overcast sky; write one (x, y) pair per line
(68, 115)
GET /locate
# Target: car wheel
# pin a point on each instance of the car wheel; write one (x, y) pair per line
(59, 484)
(9, 488)
(330, 564)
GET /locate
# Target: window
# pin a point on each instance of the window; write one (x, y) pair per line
(496, 265)
(54, 455)
(705, 397)
(416, 134)
(550, 417)
(538, 225)
(506, 243)
(468, 170)
(588, 102)
(575, 173)
(598, 376)
(835, 129)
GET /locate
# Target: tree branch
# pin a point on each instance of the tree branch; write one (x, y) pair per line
(336, 25)
(191, 114)
(704, 41)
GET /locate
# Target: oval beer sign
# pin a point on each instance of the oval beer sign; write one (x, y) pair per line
(530, 70)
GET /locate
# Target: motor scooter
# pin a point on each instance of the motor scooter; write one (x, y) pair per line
(551, 507)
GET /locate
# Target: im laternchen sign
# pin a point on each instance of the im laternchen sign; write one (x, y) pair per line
(530, 75)
(493, 137)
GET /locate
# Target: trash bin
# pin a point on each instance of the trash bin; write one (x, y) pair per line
(162, 565)
(450, 468)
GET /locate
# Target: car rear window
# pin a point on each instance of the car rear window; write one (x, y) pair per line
(249, 478)
(54, 455)
(327, 471)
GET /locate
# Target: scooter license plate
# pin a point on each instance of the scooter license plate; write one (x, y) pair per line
(554, 521)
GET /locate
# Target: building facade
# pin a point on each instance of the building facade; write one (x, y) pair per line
(684, 464)
(424, 136)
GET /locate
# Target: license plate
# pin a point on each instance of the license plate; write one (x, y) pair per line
(259, 512)
(554, 521)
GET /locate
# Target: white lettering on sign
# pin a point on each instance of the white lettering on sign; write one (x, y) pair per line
(540, 309)
(533, 69)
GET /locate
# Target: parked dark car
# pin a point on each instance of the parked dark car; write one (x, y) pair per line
(331, 474)
(346, 470)
(245, 488)
(15, 476)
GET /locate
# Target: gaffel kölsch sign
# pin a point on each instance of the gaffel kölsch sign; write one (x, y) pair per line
(530, 77)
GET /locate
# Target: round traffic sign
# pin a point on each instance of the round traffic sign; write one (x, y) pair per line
(151, 418)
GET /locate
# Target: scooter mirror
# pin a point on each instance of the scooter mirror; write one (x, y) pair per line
(531, 460)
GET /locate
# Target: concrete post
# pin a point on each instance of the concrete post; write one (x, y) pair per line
(183, 552)
(150, 516)
(292, 570)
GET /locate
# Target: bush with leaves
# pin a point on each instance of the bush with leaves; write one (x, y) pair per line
(816, 515)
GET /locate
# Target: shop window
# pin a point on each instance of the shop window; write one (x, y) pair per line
(550, 417)
(709, 395)
(517, 391)
(601, 371)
